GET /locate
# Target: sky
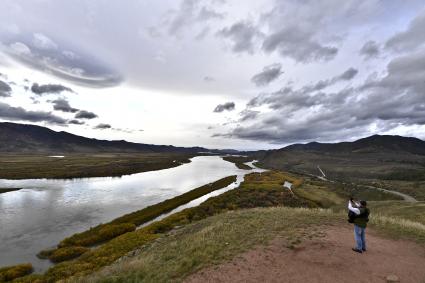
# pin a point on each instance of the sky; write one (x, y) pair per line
(220, 73)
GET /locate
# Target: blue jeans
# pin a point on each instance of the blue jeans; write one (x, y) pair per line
(359, 236)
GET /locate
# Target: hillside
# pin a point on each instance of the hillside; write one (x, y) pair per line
(22, 138)
(372, 144)
(374, 157)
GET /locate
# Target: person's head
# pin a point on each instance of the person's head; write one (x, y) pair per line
(363, 203)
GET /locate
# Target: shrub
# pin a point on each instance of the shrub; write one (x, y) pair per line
(67, 253)
(97, 235)
(12, 272)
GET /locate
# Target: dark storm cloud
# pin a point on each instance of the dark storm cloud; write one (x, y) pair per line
(410, 39)
(242, 35)
(298, 45)
(102, 126)
(83, 114)
(229, 106)
(20, 114)
(62, 104)
(76, 122)
(370, 50)
(48, 88)
(269, 74)
(60, 59)
(302, 97)
(396, 99)
(5, 89)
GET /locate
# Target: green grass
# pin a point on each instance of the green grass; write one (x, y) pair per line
(319, 195)
(415, 189)
(20, 166)
(327, 194)
(400, 209)
(9, 273)
(67, 253)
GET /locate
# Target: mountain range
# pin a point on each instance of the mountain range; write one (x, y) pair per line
(22, 138)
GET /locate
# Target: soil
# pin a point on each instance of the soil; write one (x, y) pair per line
(326, 259)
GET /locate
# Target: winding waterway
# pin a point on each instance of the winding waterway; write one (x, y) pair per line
(46, 210)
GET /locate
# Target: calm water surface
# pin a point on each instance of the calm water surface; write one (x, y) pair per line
(45, 211)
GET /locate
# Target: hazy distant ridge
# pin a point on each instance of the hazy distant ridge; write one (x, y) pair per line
(22, 138)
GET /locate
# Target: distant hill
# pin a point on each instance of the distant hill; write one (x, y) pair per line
(22, 138)
(372, 144)
(372, 157)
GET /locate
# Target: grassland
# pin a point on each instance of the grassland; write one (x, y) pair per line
(239, 161)
(18, 166)
(415, 189)
(9, 273)
(328, 194)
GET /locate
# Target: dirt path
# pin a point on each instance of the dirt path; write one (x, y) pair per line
(404, 196)
(328, 259)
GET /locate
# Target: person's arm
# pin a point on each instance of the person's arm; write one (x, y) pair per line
(353, 209)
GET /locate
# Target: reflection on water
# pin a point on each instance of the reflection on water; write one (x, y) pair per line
(46, 211)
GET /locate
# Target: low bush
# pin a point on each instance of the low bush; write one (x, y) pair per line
(10, 273)
(67, 253)
(97, 235)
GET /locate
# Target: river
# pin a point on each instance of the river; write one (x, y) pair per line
(47, 210)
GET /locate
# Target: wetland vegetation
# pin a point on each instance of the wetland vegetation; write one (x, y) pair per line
(20, 166)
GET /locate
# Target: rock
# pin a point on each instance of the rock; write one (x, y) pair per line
(392, 278)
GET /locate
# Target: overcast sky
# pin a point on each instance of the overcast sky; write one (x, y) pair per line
(220, 73)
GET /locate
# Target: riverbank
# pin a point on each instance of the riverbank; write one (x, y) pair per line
(7, 190)
(127, 223)
(239, 161)
(19, 166)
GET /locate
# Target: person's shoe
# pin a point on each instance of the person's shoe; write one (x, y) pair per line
(356, 250)
(363, 250)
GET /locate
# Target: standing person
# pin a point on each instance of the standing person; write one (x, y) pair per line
(360, 222)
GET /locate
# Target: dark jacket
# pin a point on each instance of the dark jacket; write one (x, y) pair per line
(362, 219)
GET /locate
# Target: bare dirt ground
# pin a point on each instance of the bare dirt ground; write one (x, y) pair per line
(327, 259)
